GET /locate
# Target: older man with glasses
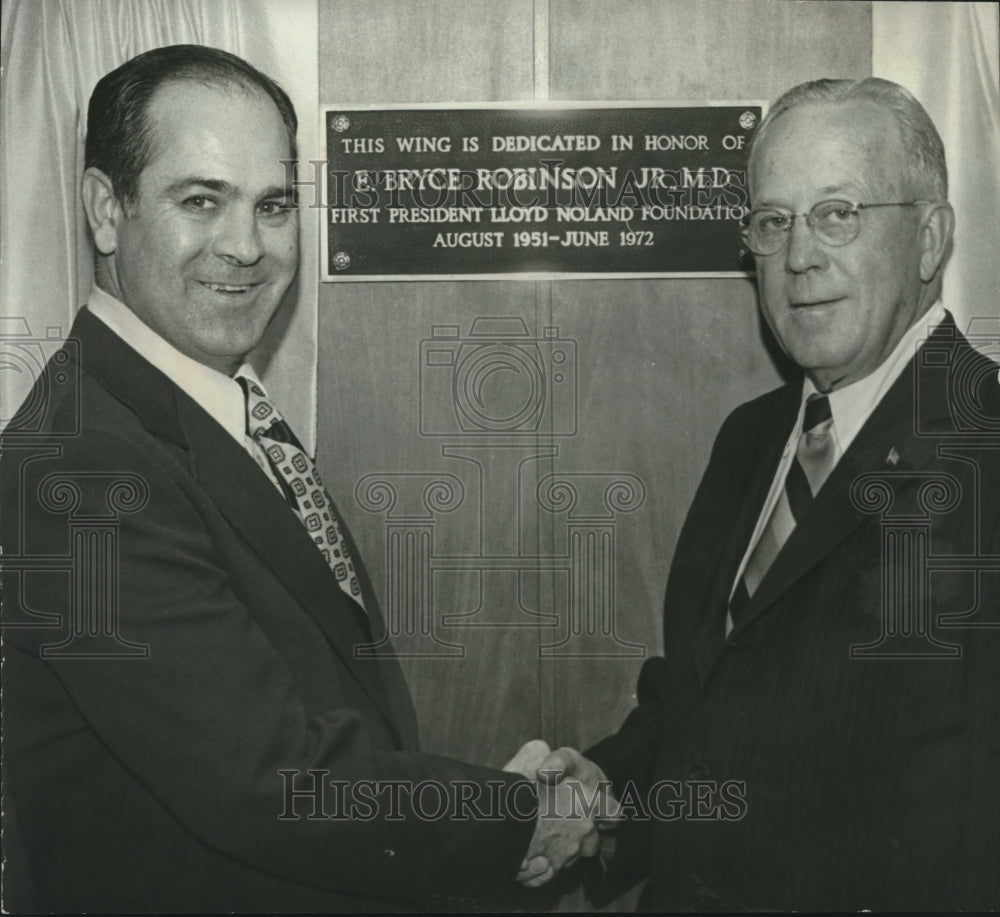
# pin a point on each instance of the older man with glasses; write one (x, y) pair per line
(824, 720)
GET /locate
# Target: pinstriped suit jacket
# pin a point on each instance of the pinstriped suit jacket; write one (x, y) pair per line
(855, 707)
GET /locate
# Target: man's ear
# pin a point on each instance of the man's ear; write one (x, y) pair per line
(104, 213)
(936, 229)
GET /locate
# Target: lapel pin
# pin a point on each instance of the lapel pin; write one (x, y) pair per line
(893, 457)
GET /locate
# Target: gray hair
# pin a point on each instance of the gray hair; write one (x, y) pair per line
(926, 168)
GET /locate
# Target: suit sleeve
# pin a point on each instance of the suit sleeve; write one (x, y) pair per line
(629, 758)
(209, 719)
(630, 754)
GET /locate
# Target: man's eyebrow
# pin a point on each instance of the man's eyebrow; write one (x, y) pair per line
(830, 192)
(194, 181)
(284, 191)
(220, 186)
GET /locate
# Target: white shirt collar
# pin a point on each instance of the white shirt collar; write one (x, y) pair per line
(853, 404)
(216, 392)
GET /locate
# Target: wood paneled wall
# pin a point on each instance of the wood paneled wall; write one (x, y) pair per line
(659, 363)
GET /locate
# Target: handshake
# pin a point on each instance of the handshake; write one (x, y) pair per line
(577, 811)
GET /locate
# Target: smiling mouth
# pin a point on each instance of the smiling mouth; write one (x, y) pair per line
(228, 287)
(811, 304)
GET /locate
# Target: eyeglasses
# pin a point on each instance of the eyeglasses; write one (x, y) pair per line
(835, 223)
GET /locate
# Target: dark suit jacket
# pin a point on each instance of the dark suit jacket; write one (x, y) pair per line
(812, 778)
(148, 780)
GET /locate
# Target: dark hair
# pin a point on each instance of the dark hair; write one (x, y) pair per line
(119, 135)
(926, 170)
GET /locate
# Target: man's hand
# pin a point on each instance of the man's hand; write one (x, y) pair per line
(526, 762)
(529, 758)
(568, 762)
(575, 802)
(564, 832)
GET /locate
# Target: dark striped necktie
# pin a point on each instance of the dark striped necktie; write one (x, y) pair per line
(301, 484)
(815, 456)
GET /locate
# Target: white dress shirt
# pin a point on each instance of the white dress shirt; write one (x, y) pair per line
(220, 395)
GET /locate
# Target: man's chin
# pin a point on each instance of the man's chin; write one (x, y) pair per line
(227, 353)
(815, 355)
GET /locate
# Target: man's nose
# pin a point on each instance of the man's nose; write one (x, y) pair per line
(803, 250)
(238, 238)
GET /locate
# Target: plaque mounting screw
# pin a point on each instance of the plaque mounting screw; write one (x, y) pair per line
(747, 120)
(341, 123)
(341, 261)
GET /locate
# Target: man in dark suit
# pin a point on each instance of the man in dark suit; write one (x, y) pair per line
(186, 724)
(823, 729)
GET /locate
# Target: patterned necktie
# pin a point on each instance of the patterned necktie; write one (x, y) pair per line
(301, 484)
(816, 454)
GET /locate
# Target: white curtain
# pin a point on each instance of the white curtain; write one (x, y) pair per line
(948, 55)
(53, 52)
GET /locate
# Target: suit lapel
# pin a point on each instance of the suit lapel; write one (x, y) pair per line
(749, 494)
(397, 690)
(242, 493)
(889, 441)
